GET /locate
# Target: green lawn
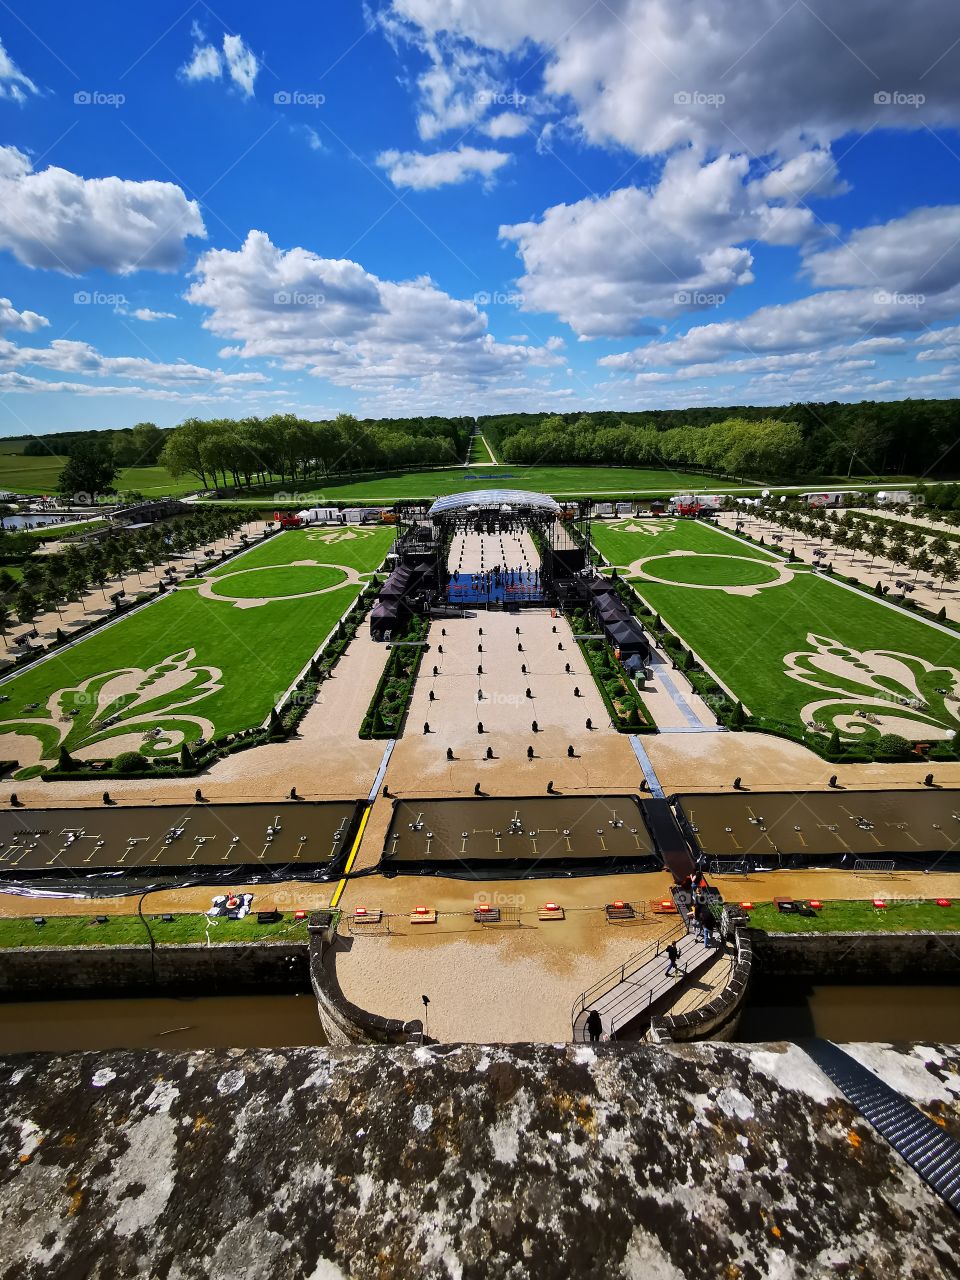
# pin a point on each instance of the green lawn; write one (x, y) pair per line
(276, 581)
(360, 548)
(623, 541)
(478, 450)
(851, 651)
(705, 570)
(560, 481)
(119, 931)
(858, 917)
(220, 668)
(41, 475)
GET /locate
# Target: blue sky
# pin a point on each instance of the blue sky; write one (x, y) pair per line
(451, 206)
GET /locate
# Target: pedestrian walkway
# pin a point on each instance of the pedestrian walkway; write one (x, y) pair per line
(639, 984)
(689, 728)
(694, 723)
(653, 782)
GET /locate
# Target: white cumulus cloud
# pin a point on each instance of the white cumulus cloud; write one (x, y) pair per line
(423, 172)
(757, 75)
(58, 220)
(25, 321)
(508, 124)
(145, 313)
(610, 265)
(338, 321)
(207, 62)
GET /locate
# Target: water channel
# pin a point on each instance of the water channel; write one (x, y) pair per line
(159, 1022)
(778, 1009)
(792, 1009)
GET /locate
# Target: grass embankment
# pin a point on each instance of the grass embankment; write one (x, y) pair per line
(127, 931)
(860, 917)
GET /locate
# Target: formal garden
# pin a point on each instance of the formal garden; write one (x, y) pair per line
(210, 659)
(800, 650)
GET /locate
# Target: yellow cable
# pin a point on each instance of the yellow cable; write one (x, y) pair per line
(353, 853)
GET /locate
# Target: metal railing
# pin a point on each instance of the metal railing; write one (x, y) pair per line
(635, 1005)
(629, 967)
(873, 866)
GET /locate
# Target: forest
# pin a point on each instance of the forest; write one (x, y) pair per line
(870, 439)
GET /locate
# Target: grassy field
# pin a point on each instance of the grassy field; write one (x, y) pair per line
(623, 541)
(859, 917)
(560, 481)
(708, 571)
(219, 668)
(849, 652)
(40, 476)
(130, 931)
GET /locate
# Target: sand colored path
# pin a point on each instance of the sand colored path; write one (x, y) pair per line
(710, 762)
(518, 981)
(476, 552)
(508, 983)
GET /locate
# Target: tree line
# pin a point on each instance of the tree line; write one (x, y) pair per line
(136, 446)
(225, 451)
(49, 581)
(763, 448)
(868, 439)
(910, 547)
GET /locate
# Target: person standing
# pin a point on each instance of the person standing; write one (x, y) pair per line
(673, 955)
(594, 1026)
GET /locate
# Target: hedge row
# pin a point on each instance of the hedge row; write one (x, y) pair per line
(391, 699)
(625, 707)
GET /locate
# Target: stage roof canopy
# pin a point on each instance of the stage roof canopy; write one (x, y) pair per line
(517, 502)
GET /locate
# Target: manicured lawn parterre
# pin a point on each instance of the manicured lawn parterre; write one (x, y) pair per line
(277, 581)
(807, 650)
(708, 570)
(858, 917)
(190, 665)
(130, 930)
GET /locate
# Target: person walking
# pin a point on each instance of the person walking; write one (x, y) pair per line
(673, 955)
(594, 1026)
(705, 920)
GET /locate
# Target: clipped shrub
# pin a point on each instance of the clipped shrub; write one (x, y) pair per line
(130, 762)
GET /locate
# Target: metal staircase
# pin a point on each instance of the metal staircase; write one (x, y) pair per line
(929, 1151)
